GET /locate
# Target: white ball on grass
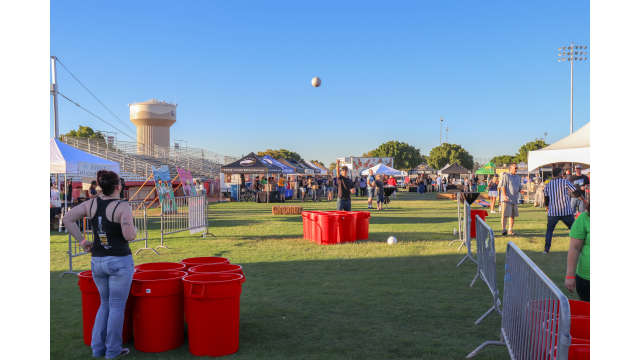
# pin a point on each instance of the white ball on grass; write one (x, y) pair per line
(392, 240)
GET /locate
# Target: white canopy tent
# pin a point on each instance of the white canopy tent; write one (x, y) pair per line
(575, 148)
(65, 159)
(382, 169)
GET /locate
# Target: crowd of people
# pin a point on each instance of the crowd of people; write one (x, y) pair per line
(565, 199)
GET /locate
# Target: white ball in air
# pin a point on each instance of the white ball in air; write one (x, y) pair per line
(316, 82)
(392, 240)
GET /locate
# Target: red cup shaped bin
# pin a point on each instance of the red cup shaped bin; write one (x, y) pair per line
(214, 318)
(305, 225)
(362, 225)
(328, 228)
(216, 268)
(347, 226)
(482, 213)
(189, 262)
(579, 308)
(158, 312)
(579, 351)
(161, 266)
(90, 305)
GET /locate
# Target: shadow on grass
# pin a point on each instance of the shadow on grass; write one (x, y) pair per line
(412, 220)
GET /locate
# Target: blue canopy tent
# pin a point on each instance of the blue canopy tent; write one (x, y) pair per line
(271, 161)
(67, 160)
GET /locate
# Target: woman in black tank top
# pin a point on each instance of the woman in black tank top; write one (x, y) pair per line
(111, 261)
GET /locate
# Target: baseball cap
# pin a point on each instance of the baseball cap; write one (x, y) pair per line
(578, 166)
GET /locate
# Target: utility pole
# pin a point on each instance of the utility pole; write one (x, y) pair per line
(572, 53)
(441, 120)
(54, 92)
(446, 134)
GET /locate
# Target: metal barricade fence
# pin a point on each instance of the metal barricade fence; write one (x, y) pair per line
(184, 213)
(536, 317)
(486, 256)
(466, 232)
(140, 221)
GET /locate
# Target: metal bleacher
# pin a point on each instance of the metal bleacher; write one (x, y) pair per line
(136, 160)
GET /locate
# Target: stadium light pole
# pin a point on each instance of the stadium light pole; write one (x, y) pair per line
(571, 54)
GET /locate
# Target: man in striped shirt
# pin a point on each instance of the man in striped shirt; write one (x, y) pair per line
(557, 200)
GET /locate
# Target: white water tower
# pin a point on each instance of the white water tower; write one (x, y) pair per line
(152, 119)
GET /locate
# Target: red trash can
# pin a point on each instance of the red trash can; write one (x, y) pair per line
(305, 225)
(214, 322)
(203, 260)
(90, 305)
(482, 213)
(216, 268)
(158, 315)
(347, 225)
(161, 266)
(314, 226)
(579, 308)
(362, 225)
(328, 228)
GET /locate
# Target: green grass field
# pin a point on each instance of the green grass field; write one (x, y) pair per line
(364, 300)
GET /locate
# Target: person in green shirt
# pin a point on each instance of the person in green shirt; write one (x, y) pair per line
(577, 277)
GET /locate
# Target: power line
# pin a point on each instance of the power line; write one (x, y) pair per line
(92, 94)
(94, 115)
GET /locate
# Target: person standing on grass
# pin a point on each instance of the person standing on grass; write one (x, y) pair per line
(379, 192)
(492, 187)
(345, 188)
(371, 186)
(363, 186)
(580, 182)
(509, 187)
(557, 200)
(111, 261)
(578, 272)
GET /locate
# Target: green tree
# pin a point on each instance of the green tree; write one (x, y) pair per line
(318, 161)
(281, 154)
(85, 132)
(502, 160)
(331, 167)
(404, 155)
(446, 153)
(523, 152)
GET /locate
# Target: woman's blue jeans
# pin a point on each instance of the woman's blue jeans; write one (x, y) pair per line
(112, 276)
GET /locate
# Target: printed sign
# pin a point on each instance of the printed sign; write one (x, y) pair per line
(187, 182)
(197, 214)
(362, 163)
(162, 179)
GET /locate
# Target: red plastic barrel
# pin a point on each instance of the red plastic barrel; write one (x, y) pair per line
(214, 322)
(314, 226)
(161, 266)
(482, 213)
(579, 351)
(204, 260)
(158, 315)
(305, 225)
(90, 305)
(216, 268)
(579, 308)
(362, 225)
(347, 224)
(328, 227)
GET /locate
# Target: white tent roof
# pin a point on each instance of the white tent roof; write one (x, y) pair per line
(65, 159)
(573, 148)
(382, 170)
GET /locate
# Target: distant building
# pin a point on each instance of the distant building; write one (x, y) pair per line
(153, 119)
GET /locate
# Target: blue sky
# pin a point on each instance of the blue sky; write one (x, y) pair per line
(240, 71)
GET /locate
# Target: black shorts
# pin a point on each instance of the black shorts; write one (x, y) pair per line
(583, 288)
